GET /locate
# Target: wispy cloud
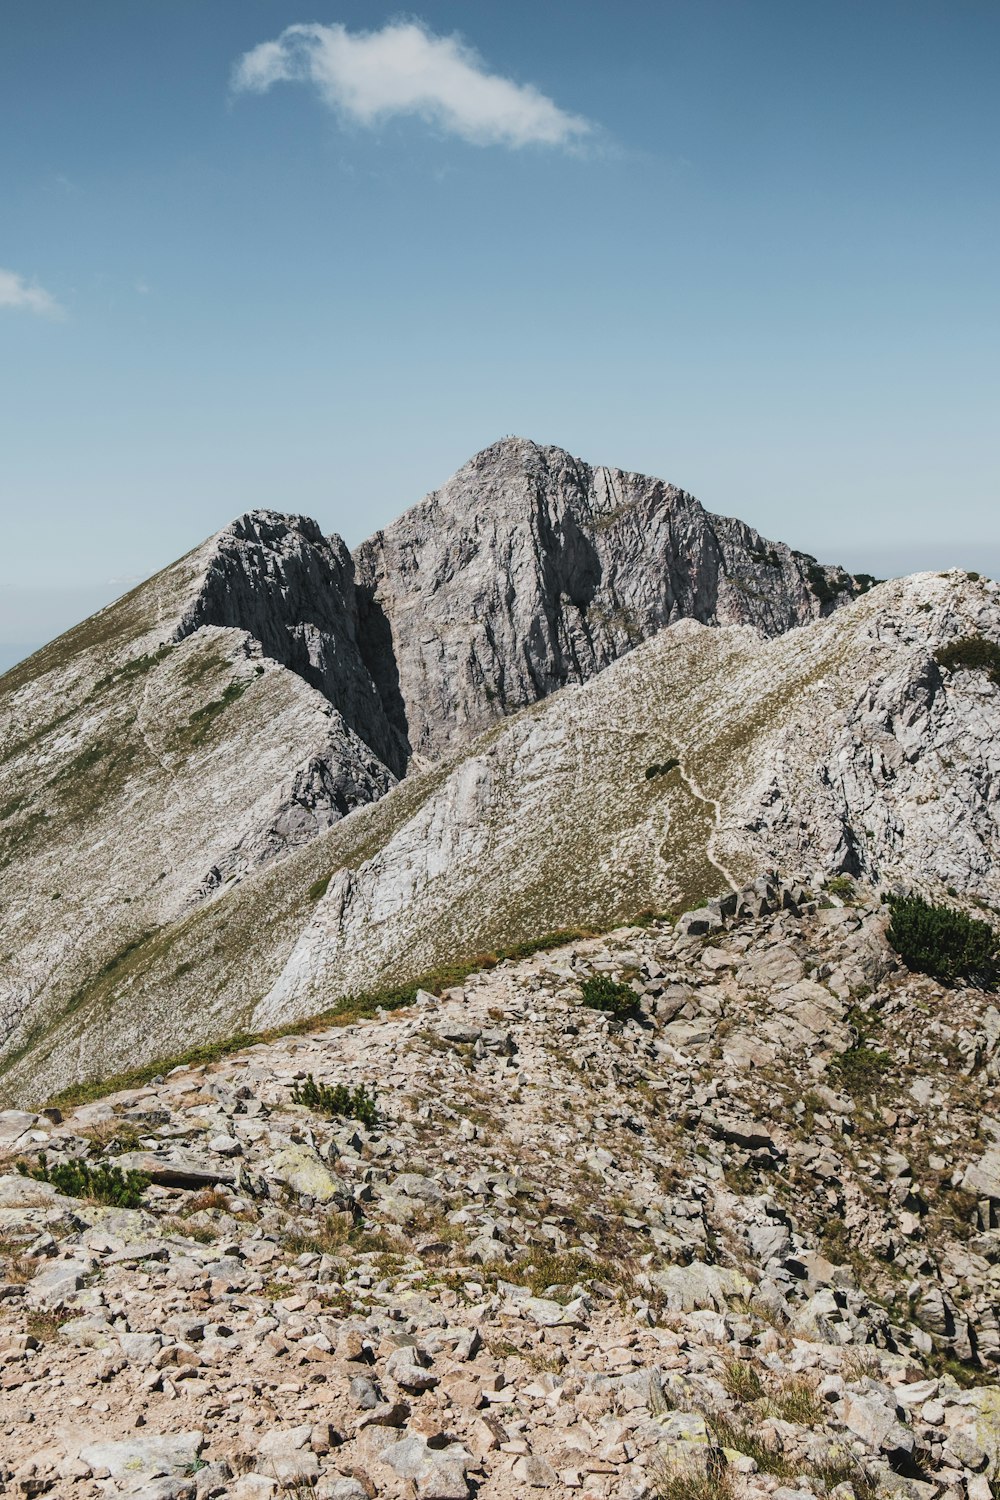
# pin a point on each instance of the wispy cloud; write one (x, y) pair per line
(28, 296)
(404, 69)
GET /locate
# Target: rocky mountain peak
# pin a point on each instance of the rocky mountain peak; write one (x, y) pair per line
(297, 772)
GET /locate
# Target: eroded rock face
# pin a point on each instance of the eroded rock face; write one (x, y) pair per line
(290, 587)
(529, 570)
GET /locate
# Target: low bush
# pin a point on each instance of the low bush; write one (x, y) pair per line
(103, 1182)
(943, 943)
(972, 652)
(610, 995)
(337, 1101)
(662, 768)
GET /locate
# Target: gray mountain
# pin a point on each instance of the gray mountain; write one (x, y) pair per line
(230, 713)
(528, 570)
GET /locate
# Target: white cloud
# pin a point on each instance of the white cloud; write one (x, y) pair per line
(16, 292)
(405, 69)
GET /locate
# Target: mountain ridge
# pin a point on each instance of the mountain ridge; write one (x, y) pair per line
(190, 778)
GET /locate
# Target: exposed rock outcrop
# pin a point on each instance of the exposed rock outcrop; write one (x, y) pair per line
(841, 747)
(530, 569)
(282, 581)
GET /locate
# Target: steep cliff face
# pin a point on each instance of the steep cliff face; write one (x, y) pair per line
(291, 588)
(529, 570)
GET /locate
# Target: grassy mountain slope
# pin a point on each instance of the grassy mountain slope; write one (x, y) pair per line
(837, 746)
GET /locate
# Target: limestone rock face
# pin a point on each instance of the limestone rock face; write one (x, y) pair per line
(292, 589)
(529, 570)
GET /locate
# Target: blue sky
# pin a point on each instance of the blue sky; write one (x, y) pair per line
(750, 247)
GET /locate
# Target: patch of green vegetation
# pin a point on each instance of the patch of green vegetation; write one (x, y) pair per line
(598, 992)
(816, 580)
(338, 1101)
(104, 1183)
(137, 667)
(10, 808)
(662, 768)
(320, 887)
(973, 653)
(943, 942)
(861, 1069)
(203, 718)
(842, 886)
(865, 581)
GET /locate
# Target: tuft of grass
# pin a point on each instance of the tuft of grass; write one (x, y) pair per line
(671, 1483)
(797, 1401)
(739, 1437)
(319, 887)
(741, 1380)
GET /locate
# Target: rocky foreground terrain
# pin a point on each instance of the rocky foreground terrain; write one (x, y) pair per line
(743, 1242)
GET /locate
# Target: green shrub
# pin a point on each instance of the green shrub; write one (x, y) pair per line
(819, 584)
(842, 886)
(943, 942)
(319, 887)
(662, 768)
(972, 652)
(337, 1101)
(78, 1179)
(202, 719)
(610, 995)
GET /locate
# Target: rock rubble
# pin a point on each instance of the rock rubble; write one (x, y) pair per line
(749, 1233)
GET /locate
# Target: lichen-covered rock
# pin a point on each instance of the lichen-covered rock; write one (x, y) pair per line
(302, 1171)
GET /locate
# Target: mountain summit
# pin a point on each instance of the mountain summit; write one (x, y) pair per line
(549, 694)
(528, 570)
